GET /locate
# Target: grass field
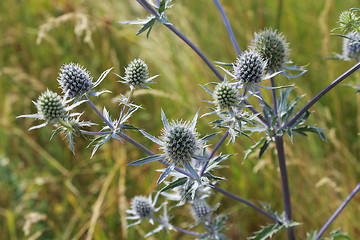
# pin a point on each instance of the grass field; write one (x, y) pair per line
(65, 195)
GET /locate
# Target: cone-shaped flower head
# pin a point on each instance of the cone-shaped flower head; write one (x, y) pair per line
(200, 209)
(351, 45)
(136, 73)
(249, 68)
(273, 48)
(74, 79)
(142, 206)
(225, 95)
(180, 141)
(50, 106)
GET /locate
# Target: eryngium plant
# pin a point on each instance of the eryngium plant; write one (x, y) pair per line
(272, 46)
(249, 68)
(74, 79)
(351, 46)
(226, 95)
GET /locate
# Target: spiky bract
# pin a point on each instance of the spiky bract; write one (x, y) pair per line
(50, 106)
(351, 45)
(225, 95)
(249, 67)
(348, 20)
(136, 73)
(142, 206)
(272, 46)
(180, 141)
(74, 79)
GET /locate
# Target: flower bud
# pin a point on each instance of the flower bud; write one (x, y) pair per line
(180, 142)
(200, 209)
(51, 106)
(273, 48)
(142, 206)
(225, 95)
(74, 79)
(249, 67)
(137, 72)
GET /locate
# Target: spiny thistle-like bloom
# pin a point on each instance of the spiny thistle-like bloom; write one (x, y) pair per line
(273, 48)
(348, 20)
(137, 72)
(351, 46)
(200, 209)
(142, 206)
(74, 79)
(180, 141)
(180, 144)
(51, 106)
(226, 95)
(249, 68)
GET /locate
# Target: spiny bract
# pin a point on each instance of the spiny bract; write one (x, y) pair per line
(142, 206)
(180, 141)
(74, 79)
(137, 72)
(249, 67)
(51, 106)
(273, 48)
(225, 95)
(351, 45)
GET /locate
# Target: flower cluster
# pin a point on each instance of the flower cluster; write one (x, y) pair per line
(249, 68)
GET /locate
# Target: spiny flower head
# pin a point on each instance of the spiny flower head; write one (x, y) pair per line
(249, 68)
(74, 80)
(273, 48)
(180, 141)
(137, 72)
(348, 21)
(225, 95)
(51, 106)
(142, 206)
(351, 45)
(200, 209)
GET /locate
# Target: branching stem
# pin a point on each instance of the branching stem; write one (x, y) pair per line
(337, 212)
(322, 93)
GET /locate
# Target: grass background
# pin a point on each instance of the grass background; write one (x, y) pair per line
(68, 195)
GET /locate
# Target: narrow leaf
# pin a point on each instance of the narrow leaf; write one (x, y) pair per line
(148, 159)
(177, 183)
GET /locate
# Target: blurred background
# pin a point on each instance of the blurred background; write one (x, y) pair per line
(46, 192)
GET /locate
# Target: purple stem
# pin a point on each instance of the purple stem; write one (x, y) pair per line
(228, 27)
(320, 94)
(279, 141)
(180, 229)
(213, 152)
(337, 212)
(250, 204)
(148, 152)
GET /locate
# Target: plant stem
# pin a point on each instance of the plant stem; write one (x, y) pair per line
(228, 27)
(337, 212)
(279, 141)
(95, 133)
(180, 229)
(250, 204)
(213, 152)
(99, 113)
(320, 94)
(148, 152)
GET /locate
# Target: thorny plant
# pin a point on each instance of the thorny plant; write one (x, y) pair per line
(190, 169)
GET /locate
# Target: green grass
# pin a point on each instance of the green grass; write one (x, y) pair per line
(42, 176)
